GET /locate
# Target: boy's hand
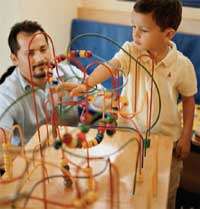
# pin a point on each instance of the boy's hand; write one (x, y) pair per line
(75, 89)
(183, 148)
(65, 86)
(79, 90)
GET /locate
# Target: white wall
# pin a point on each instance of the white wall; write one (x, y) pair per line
(107, 4)
(54, 16)
(190, 22)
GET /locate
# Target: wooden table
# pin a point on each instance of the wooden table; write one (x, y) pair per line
(147, 194)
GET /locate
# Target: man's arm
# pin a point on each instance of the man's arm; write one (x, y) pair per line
(184, 143)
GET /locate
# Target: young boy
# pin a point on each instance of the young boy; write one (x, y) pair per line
(155, 22)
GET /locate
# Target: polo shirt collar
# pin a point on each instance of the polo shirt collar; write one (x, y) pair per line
(169, 58)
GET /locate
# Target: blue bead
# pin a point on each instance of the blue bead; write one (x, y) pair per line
(99, 138)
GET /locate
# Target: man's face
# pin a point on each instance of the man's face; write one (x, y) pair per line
(39, 55)
(146, 33)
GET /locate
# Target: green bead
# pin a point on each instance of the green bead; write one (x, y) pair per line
(109, 118)
(57, 144)
(146, 143)
(84, 128)
(110, 132)
(67, 167)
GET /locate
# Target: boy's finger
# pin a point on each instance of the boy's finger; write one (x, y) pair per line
(69, 86)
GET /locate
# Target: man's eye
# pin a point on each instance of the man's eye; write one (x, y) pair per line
(30, 53)
(43, 49)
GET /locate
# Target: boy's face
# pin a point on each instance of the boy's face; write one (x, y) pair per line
(39, 55)
(147, 35)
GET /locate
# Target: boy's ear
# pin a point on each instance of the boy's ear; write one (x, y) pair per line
(14, 59)
(169, 33)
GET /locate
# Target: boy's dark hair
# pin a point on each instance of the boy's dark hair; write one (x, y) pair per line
(166, 13)
(26, 26)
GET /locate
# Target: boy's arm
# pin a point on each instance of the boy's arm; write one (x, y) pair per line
(184, 143)
(100, 74)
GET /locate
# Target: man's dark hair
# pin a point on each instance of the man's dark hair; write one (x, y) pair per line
(166, 13)
(8, 72)
(26, 26)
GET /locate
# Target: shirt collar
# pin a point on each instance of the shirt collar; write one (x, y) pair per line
(169, 58)
(25, 85)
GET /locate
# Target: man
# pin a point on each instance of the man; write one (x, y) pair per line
(24, 95)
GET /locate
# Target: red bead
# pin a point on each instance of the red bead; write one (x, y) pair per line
(72, 53)
(101, 129)
(109, 126)
(81, 136)
(67, 138)
(88, 53)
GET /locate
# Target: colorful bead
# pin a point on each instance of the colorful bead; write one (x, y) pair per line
(76, 53)
(81, 136)
(78, 204)
(124, 100)
(90, 143)
(57, 144)
(79, 144)
(68, 182)
(64, 164)
(67, 138)
(85, 144)
(140, 177)
(109, 118)
(72, 54)
(110, 132)
(99, 137)
(74, 143)
(82, 53)
(146, 143)
(88, 54)
(84, 128)
(90, 197)
(101, 129)
(94, 142)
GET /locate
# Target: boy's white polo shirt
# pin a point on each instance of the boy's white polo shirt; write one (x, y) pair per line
(174, 75)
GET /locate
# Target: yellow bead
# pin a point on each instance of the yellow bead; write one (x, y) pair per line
(90, 144)
(78, 203)
(73, 143)
(140, 177)
(91, 183)
(64, 162)
(82, 53)
(123, 100)
(84, 144)
(90, 197)
(94, 141)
